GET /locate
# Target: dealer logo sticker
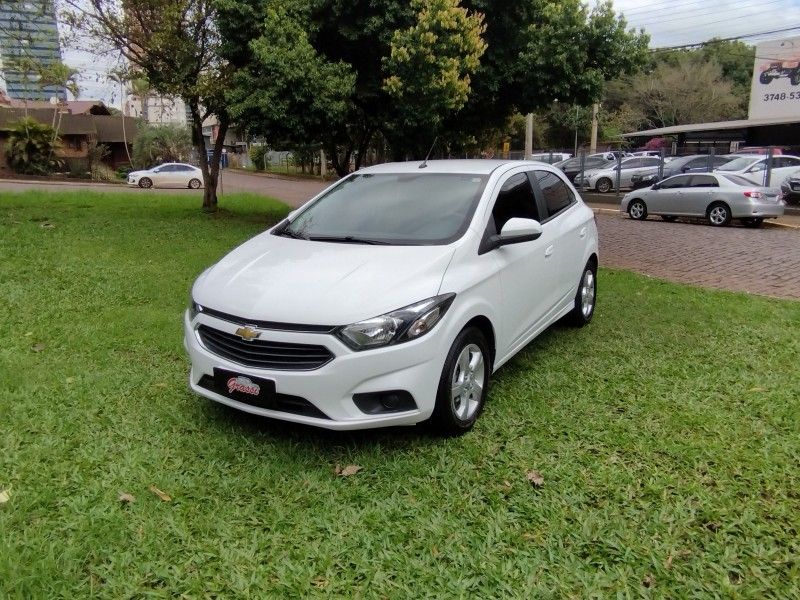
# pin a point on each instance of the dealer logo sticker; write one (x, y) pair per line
(243, 385)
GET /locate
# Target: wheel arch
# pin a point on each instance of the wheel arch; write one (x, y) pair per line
(716, 201)
(484, 325)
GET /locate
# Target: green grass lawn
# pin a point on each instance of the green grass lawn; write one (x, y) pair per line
(667, 433)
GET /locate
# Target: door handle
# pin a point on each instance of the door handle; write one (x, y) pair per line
(548, 252)
(582, 234)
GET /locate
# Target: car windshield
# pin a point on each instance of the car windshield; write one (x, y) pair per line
(740, 180)
(738, 164)
(403, 209)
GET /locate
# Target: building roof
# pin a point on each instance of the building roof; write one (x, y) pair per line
(75, 107)
(108, 129)
(716, 126)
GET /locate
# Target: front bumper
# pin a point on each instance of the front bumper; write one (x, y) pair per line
(414, 367)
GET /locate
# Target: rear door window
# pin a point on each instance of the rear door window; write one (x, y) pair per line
(704, 181)
(555, 194)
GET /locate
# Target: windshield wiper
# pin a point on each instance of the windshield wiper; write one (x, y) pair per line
(292, 234)
(346, 239)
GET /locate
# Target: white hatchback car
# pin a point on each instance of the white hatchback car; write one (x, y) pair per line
(176, 175)
(392, 296)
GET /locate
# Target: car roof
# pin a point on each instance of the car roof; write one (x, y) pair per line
(460, 166)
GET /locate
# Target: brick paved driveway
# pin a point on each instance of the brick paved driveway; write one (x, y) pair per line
(760, 261)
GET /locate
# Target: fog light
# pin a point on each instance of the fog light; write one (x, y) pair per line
(391, 401)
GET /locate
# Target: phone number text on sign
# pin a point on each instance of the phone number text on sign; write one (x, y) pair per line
(781, 96)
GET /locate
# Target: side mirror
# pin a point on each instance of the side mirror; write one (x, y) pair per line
(656, 186)
(516, 231)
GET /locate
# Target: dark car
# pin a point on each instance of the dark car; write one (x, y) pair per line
(791, 189)
(694, 163)
(572, 166)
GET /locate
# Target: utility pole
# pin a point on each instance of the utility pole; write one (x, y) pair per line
(528, 135)
(593, 143)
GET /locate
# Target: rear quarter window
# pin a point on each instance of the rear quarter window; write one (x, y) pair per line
(556, 194)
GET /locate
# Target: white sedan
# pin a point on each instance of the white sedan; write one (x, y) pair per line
(603, 180)
(392, 297)
(753, 167)
(172, 175)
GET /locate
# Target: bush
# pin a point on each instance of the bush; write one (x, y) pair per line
(156, 144)
(31, 147)
(122, 172)
(257, 154)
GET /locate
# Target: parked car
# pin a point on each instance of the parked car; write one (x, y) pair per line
(694, 163)
(177, 175)
(604, 179)
(550, 157)
(753, 167)
(392, 296)
(791, 189)
(572, 167)
(717, 197)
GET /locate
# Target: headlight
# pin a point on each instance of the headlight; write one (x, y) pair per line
(402, 325)
(194, 309)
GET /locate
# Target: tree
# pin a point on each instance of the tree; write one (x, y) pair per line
(545, 50)
(457, 69)
(690, 91)
(156, 144)
(176, 46)
(30, 147)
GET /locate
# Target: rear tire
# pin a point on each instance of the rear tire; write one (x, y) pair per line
(195, 184)
(669, 218)
(637, 210)
(603, 185)
(794, 78)
(146, 183)
(753, 222)
(719, 214)
(464, 383)
(585, 297)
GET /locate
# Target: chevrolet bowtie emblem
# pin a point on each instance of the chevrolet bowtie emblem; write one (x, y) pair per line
(248, 334)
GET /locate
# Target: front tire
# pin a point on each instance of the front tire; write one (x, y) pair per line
(464, 383)
(764, 78)
(719, 214)
(585, 297)
(637, 210)
(603, 185)
(146, 183)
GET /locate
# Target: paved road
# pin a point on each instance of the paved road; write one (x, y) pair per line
(293, 192)
(762, 261)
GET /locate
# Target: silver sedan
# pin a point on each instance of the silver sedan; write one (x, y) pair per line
(713, 196)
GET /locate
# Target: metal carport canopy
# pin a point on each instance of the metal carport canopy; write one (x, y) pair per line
(719, 125)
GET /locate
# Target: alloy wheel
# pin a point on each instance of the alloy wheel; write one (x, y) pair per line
(587, 293)
(718, 215)
(466, 388)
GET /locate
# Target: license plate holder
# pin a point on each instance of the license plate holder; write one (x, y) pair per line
(245, 388)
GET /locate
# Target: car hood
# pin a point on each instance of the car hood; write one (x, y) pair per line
(273, 278)
(137, 173)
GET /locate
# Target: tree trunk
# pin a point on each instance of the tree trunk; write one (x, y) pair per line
(210, 171)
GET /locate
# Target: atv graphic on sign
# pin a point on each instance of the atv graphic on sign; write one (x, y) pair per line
(780, 69)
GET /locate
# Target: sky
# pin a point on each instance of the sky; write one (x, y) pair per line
(669, 23)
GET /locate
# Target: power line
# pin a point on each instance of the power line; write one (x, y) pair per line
(746, 7)
(728, 39)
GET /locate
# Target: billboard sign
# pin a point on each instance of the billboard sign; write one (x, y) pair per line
(775, 91)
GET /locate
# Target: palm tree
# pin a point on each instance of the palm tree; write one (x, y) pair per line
(142, 90)
(120, 77)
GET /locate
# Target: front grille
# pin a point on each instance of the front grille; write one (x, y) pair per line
(264, 354)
